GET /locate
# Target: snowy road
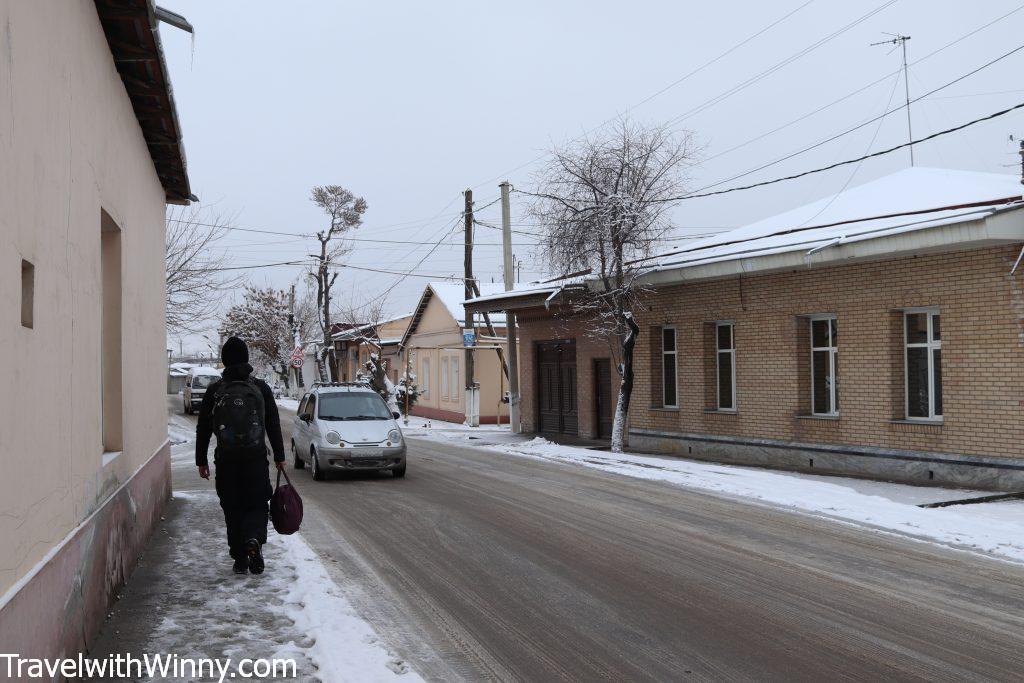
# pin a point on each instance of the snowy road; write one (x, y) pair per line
(487, 567)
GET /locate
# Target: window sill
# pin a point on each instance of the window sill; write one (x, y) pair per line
(664, 409)
(918, 421)
(720, 411)
(826, 418)
(110, 456)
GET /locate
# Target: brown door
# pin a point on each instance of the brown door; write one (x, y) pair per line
(603, 397)
(556, 387)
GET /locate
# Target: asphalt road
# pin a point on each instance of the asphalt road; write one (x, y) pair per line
(489, 567)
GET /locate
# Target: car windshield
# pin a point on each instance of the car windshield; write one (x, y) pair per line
(353, 406)
(202, 381)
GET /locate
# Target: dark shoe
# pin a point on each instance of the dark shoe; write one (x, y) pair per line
(241, 566)
(252, 548)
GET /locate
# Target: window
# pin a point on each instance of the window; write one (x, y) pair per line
(28, 293)
(444, 378)
(110, 334)
(725, 342)
(923, 361)
(824, 366)
(425, 377)
(353, 405)
(669, 364)
(455, 378)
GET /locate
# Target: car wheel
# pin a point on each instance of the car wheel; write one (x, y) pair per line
(297, 462)
(318, 474)
(399, 471)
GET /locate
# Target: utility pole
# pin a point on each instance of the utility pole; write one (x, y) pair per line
(510, 316)
(471, 394)
(901, 41)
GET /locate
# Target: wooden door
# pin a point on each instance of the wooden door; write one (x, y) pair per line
(557, 411)
(603, 408)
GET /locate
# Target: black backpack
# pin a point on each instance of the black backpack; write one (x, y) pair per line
(238, 416)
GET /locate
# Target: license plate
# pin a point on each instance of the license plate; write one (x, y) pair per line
(366, 452)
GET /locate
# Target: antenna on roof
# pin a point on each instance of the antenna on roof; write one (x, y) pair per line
(901, 41)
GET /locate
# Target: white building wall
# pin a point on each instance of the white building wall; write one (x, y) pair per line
(70, 147)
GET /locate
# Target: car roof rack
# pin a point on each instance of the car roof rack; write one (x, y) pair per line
(318, 384)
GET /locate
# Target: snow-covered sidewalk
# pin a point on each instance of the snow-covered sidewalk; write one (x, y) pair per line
(184, 599)
(993, 528)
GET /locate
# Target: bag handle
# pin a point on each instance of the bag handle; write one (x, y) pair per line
(279, 473)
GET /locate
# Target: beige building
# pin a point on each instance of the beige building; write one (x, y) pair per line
(354, 346)
(875, 333)
(91, 153)
(433, 342)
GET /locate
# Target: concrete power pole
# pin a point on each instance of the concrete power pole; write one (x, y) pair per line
(510, 316)
(472, 395)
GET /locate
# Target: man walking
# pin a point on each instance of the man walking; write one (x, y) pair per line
(240, 410)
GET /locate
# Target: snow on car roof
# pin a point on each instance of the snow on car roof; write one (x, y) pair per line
(205, 370)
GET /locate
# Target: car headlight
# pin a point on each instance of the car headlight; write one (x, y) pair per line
(333, 437)
(395, 436)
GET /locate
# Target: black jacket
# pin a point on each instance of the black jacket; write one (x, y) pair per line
(271, 420)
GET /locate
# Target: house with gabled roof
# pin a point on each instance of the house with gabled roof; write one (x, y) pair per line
(354, 346)
(876, 332)
(433, 343)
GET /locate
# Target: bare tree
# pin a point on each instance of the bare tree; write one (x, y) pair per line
(603, 202)
(345, 212)
(194, 268)
(261, 319)
(360, 323)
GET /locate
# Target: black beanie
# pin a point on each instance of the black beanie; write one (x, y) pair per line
(235, 352)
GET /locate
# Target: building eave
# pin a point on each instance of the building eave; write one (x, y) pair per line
(999, 227)
(131, 29)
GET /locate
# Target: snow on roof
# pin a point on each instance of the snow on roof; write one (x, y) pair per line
(452, 295)
(862, 212)
(358, 330)
(205, 370)
(909, 200)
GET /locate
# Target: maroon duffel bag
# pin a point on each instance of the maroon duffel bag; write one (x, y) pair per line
(285, 506)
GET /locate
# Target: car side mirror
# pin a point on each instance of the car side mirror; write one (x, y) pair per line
(395, 414)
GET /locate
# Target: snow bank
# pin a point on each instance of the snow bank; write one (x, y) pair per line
(419, 426)
(288, 403)
(345, 648)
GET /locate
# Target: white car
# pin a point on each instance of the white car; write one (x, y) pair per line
(198, 379)
(345, 427)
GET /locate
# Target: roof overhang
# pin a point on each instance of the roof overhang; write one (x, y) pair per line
(986, 230)
(134, 39)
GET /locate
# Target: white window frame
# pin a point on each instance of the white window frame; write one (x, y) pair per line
(931, 344)
(444, 377)
(425, 379)
(833, 350)
(675, 364)
(718, 365)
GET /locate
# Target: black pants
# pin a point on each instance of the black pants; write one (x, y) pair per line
(243, 486)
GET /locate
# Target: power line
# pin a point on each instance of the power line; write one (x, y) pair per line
(721, 97)
(659, 92)
(853, 161)
(344, 238)
(862, 124)
(842, 99)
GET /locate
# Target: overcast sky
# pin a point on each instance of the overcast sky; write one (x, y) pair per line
(409, 103)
